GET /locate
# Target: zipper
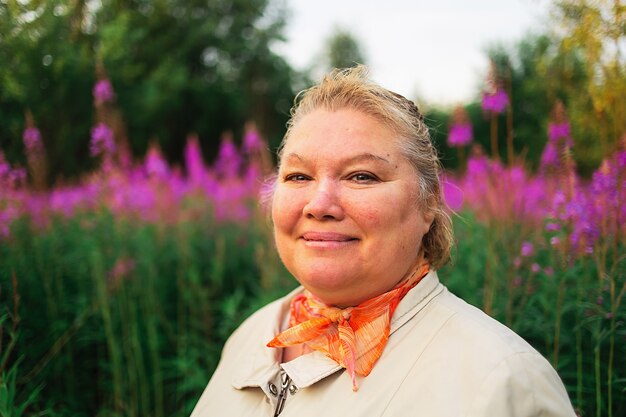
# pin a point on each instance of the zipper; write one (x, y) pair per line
(285, 381)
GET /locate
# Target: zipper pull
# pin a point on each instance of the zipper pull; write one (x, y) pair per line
(285, 381)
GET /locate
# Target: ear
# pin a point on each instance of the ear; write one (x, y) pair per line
(429, 218)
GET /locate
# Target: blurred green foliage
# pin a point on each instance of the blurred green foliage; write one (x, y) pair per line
(127, 318)
(177, 67)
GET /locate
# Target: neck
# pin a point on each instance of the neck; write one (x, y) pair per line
(409, 276)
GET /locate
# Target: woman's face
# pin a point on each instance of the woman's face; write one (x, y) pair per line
(346, 222)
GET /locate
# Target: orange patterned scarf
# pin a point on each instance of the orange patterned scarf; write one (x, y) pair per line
(354, 337)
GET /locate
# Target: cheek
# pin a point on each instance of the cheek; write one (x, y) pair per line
(285, 209)
(370, 211)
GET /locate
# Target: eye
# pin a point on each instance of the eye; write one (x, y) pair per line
(363, 177)
(296, 178)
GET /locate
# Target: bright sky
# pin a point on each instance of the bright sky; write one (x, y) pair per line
(430, 50)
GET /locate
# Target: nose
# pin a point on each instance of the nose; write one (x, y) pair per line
(324, 203)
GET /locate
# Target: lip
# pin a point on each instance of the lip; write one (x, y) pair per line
(327, 239)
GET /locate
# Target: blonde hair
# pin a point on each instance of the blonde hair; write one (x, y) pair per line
(351, 88)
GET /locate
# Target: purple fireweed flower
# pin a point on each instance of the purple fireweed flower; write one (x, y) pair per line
(559, 198)
(102, 142)
(68, 200)
(32, 140)
(559, 139)
(154, 164)
(527, 249)
(477, 166)
(460, 135)
(557, 131)
(495, 102)
(252, 176)
(228, 160)
(584, 235)
(141, 199)
(17, 176)
(194, 165)
(252, 141)
(534, 198)
(103, 91)
(517, 175)
(10, 178)
(604, 181)
(550, 156)
(535, 268)
(517, 262)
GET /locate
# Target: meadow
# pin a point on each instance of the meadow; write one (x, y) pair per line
(118, 291)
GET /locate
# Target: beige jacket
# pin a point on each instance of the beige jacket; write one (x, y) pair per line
(444, 358)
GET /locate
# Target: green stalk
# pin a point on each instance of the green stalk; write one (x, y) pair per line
(149, 306)
(181, 291)
(557, 325)
(142, 384)
(609, 375)
(112, 343)
(579, 349)
(596, 362)
(130, 361)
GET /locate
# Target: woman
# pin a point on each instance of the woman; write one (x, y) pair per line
(359, 221)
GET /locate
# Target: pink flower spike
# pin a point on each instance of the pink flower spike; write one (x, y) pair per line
(32, 140)
(557, 131)
(102, 142)
(495, 102)
(460, 135)
(103, 91)
(155, 164)
(252, 141)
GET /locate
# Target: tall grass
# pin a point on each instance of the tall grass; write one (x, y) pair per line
(126, 318)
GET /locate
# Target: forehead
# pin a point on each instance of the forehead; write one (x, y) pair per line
(339, 131)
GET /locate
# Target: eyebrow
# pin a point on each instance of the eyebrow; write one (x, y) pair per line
(366, 156)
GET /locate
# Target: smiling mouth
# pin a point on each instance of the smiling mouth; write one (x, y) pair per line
(327, 238)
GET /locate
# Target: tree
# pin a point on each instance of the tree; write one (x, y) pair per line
(176, 67)
(595, 32)
(343, 50)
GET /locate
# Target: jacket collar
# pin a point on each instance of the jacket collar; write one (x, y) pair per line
(263, 364)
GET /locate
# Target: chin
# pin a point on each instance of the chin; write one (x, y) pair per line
(328, 286)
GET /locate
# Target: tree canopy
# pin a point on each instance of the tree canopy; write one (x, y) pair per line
(176, 67)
